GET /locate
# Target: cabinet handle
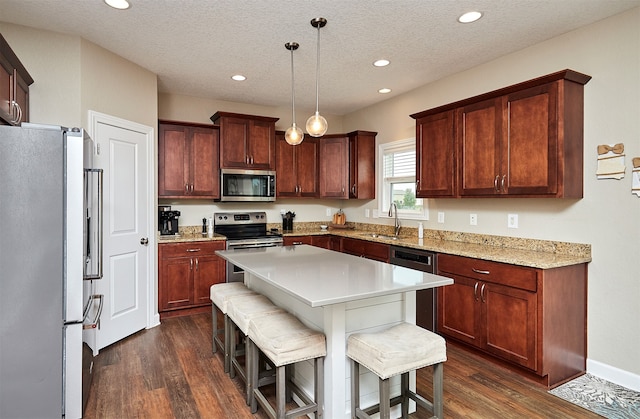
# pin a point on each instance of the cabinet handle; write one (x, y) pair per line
(495, 183)
(191, 264)
(186, 188)
(250, 159)
(478, 271)
(475, 291)
(353, 189)
(484, 300)
(197, 269)
(193, 250)
(502, 183)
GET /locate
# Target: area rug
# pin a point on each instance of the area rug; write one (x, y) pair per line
(601, 396)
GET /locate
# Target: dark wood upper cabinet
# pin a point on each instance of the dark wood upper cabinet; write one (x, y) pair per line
(188, 161)
(436, 155)
(14, 87)
(297, 168)
(362, 165)
(246, 141)
(334, 166)
(525, 140)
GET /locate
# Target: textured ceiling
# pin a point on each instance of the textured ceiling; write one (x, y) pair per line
(195, 46)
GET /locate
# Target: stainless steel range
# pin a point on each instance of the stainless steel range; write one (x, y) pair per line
(244, 230)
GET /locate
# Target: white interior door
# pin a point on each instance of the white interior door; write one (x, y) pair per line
(124, 155)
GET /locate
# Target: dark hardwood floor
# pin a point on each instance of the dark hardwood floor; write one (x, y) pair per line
(170, 372)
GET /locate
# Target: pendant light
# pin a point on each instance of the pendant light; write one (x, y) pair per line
(316, 124)
(294, 134)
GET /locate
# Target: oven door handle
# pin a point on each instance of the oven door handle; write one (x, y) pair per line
(252, 245)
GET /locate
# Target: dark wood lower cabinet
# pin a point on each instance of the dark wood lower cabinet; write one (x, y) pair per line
(185, 274)
(532, 318)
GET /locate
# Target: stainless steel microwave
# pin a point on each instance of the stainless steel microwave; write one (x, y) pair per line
(247, 185)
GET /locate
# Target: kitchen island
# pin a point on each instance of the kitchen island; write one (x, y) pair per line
(338, 294)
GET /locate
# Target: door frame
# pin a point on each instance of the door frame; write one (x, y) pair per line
(95, 118)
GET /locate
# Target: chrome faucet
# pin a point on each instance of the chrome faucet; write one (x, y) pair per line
(394, 208)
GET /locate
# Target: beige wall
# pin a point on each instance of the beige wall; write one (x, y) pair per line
(608, 217)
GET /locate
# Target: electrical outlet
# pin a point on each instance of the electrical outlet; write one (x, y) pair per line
(328, 212)
(441, 217)
(367, 213)
(473, 219)
(512, 220)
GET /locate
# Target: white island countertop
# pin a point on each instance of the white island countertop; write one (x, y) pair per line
(320, 277)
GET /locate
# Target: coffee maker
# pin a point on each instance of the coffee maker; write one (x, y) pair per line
(167, 220)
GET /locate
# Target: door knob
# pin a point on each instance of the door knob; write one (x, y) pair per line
(144, 241)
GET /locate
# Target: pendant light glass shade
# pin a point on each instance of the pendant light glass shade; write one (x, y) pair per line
(316, 124)
(294, 134)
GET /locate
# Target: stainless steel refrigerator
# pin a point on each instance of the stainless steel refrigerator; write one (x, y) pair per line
(50, 254)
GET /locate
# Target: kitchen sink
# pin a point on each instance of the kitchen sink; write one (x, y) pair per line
(380, 236)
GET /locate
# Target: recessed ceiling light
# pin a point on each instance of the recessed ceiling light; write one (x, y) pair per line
(384, 90)
(239, 77)
(469, 17)
(381, 63)
(118, 4)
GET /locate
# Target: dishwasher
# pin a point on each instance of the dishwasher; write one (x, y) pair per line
(425, 261)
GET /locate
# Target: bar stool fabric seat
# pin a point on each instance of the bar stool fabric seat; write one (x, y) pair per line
(241, 308)
(220, 293)
(285, 340)
(397, 350)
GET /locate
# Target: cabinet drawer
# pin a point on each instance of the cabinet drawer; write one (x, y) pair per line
(483, 270)
(172, 250)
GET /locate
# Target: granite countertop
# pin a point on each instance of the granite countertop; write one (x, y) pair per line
(542, 254)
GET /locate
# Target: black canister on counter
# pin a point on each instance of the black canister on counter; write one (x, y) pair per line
(287, 221)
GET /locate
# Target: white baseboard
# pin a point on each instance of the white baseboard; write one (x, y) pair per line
(614, 375)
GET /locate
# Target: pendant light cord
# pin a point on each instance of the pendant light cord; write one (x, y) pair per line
(293, 96)
(317, 66)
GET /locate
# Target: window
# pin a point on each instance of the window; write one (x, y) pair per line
(397, 180)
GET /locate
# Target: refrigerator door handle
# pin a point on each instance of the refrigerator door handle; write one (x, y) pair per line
(100, 195)
(96, 320)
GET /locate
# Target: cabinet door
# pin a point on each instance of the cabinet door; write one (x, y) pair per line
(204, 163)
(321, 241)
(307, 160)
(531, 138)
(509, 321)
(286, 176)
(459, 310)
(435, 156)
(208, 270)
(362, 165)
(261, 145)
(479, 138)
(234, 133)
(334, 158)
(6, 90)
(176, 283)
(173, 161)
(21, 96)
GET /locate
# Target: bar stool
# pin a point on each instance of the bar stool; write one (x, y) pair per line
(219, 295)
(284, 340)
(397, 350)
(241, 308)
